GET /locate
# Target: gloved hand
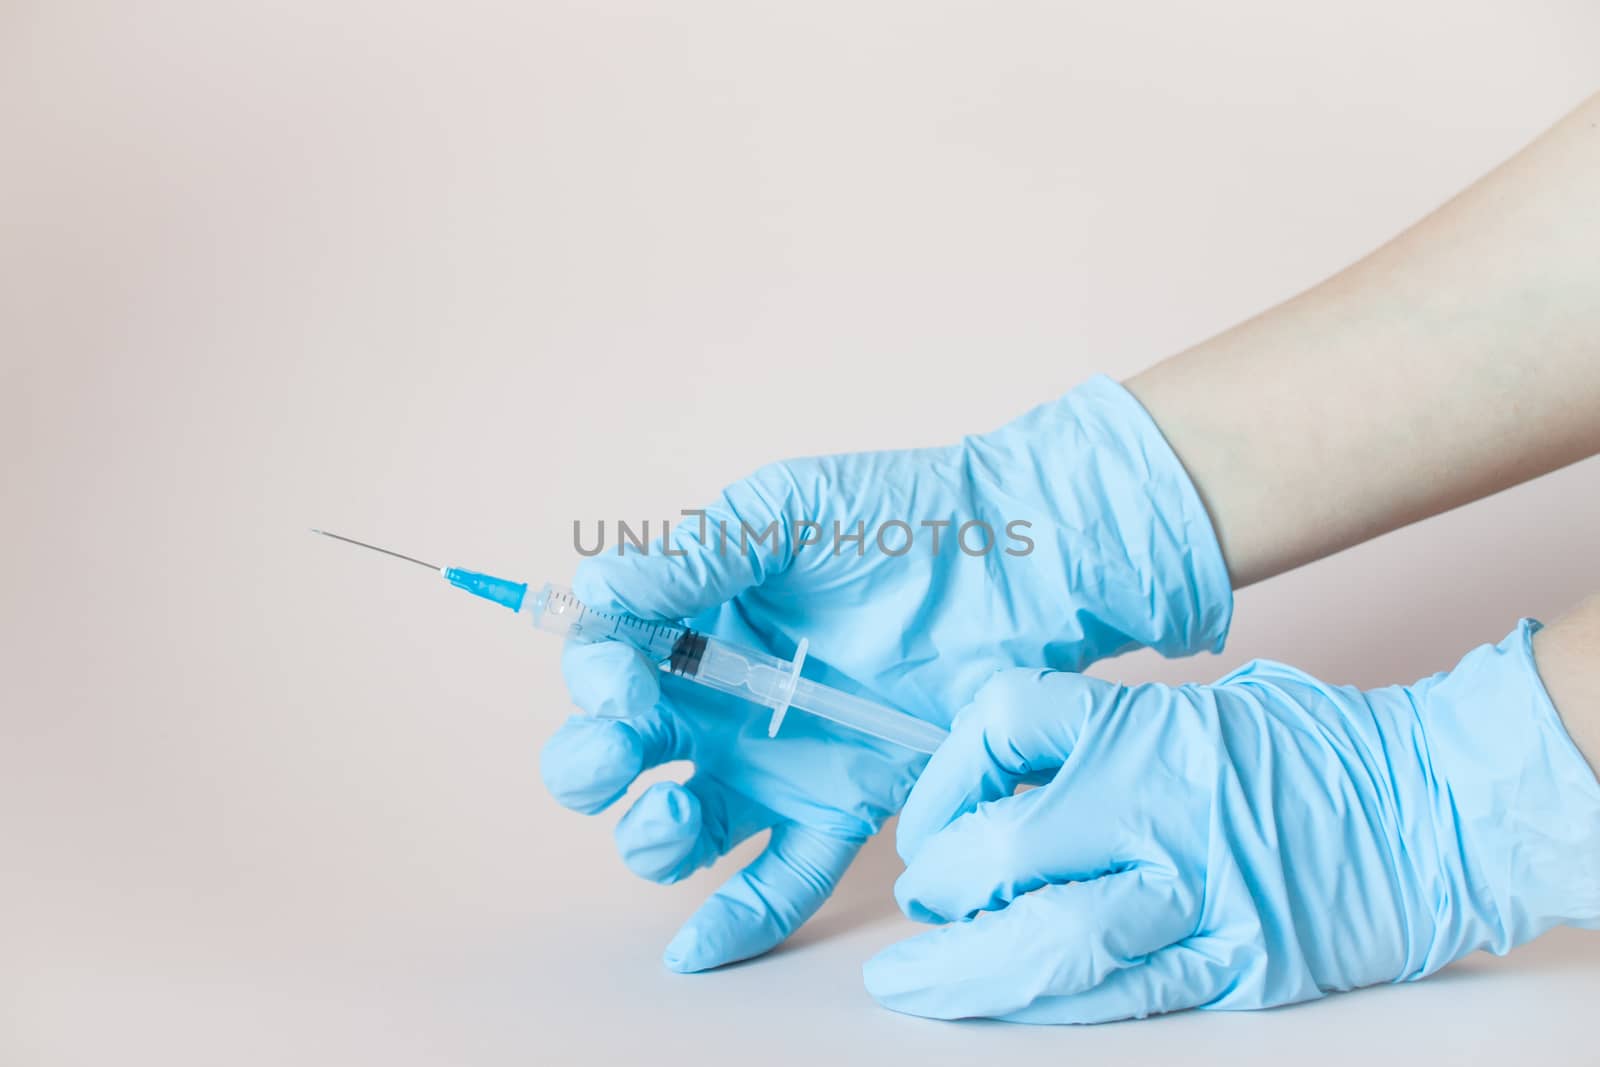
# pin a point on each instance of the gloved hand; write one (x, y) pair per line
(1122, 555)
(1259, 841)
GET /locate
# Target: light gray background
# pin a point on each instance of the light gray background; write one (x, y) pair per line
(449, 276)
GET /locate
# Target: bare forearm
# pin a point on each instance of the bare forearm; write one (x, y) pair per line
(1460, 359)
(1568, 656)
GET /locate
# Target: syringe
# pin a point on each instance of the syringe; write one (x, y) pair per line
(710, 661)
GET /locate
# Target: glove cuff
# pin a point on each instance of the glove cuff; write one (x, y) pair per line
(1185, 573)
(1519, 797)
(1120, 515)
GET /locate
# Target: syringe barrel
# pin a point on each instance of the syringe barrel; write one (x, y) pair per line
(556, 610)
(859, 713)
(716, 664)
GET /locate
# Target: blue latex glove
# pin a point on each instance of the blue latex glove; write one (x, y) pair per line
(1123, 555)
(1259, 841)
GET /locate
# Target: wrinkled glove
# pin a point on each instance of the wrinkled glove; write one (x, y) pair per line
(1260, 841)
(1122, 555)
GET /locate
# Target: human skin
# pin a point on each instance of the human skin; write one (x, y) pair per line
(1459, 359)
(1567, 654)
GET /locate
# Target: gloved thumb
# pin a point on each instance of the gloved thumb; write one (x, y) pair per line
(710, 556)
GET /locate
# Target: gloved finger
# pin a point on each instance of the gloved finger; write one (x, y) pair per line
(1057, 941)
(1021, 723)
(1190, 974)
(1003, 850)
(589, 763)
(764, 903)
(674, 830)
(740, 540)
(610, 679)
